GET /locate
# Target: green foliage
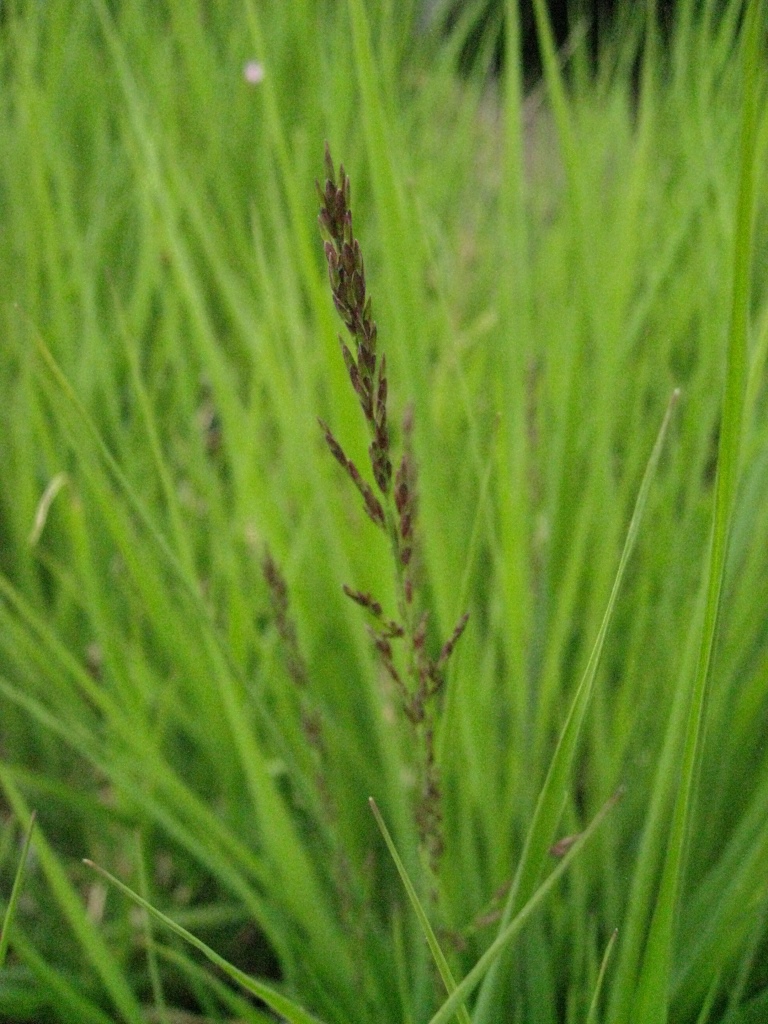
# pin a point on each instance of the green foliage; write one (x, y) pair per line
(180, 659)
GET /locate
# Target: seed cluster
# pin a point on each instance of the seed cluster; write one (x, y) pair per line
(346, 272)
(394, 509)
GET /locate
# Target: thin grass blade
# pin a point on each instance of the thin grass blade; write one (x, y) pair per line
(651, 999)
(281, 1004)
(93, 945)
(592, 1017)
(554, 793)
(505, 936)
(434, 946)
(149, 939)
(54, 988)
(13, 902)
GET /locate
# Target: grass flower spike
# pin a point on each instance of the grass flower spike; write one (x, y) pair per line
(417, 677)
(346, 272)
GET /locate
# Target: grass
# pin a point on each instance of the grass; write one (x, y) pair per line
(211, 657)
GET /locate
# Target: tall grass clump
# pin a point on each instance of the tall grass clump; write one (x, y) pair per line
(453, 706)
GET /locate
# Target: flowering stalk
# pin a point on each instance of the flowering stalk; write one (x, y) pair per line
(394, 509)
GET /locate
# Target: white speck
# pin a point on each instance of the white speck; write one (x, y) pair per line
(253, 72)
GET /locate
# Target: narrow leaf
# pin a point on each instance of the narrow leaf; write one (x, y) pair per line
(592, 1015)
(426, 927)
(652, 994)
(553, 796)
(505, 936)
(13, 902)
(281, 1004)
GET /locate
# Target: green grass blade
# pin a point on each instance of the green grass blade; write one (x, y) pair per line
(287, 851)
(147, 414)
(510, 930)
(149, 938)
(53, 989)
(94, 948)
(592, 1016)
(434, 946)
(651, 998)
(13, 902)
(753, 1012)
(281, 1004)
(709, 1001)
(239, 1005)
(554, 793)
(58, 379)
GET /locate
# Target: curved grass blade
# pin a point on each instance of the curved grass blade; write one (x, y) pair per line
(554, 793)
(13, 902)
(287, 1008)
(434, 946)
(505, 936)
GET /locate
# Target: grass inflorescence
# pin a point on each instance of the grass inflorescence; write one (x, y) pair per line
(398, 516)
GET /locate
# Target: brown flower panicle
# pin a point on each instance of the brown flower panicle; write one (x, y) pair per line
(346, 273)
(371, 503)
(423, 677)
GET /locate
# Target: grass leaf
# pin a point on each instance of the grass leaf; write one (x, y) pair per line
(281, 1004)
(652, 997)
(513, 927)
(13, 902)
(437, 954)
(554, 793)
